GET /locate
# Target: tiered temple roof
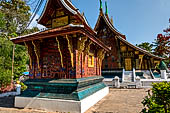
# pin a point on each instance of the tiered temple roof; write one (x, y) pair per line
(77, 23)
(105, 18)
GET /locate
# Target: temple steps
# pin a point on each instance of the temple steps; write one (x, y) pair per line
(128, 76)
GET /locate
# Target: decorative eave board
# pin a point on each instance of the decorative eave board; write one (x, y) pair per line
(66, 30)
(139, 49)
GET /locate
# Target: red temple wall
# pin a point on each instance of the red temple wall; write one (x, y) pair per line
(111, 61)
(85, 70)
(50, 62)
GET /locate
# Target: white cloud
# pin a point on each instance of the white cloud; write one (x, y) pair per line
(35, 24)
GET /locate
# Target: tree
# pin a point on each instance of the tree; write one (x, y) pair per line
(158, 99)
(5, 49)
(162, 43)
(145, 45)
(32, 30)
(14, 16)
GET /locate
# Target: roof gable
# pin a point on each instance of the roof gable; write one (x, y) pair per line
(108, 23)
(59, 13)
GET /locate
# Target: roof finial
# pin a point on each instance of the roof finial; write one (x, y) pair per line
(100, 4)
(111, 20)
(106, 8)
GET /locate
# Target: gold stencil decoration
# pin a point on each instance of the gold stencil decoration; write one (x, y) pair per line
(136, 52)
(100, 54)
(61, 21)
(81, 46)
(141, 60)
(87, 49)
(70, 48)
(37, 51)
(61, 56)
(156, 63)
(30, 51)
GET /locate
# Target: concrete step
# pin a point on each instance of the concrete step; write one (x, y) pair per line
(128, 76)
(129, 85)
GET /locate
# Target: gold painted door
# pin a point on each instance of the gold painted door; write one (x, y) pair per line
(128, 64)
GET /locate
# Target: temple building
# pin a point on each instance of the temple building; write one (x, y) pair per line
(123, 54)
(125, 60)
(65, 62)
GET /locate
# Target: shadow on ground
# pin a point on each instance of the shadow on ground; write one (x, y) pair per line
(7, 102)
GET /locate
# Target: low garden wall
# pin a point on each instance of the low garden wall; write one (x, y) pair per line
(148, 82)
(12, 93)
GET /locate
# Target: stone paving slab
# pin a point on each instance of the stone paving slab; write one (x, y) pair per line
(120, 101)
(117, 101)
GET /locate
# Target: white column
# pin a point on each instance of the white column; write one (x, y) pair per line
(163, 74)
(134, 75)
(123, 75)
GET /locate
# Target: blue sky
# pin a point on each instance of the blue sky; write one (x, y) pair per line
(139, 20)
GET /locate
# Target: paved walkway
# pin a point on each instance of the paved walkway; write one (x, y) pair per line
(117, 101)
(120, 101)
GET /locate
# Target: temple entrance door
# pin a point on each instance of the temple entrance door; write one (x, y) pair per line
(128, 64)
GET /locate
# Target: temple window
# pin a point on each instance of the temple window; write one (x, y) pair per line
(91, 60)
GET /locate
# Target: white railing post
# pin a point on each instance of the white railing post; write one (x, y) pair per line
(138, 82)
(116, 82)
(134, 75)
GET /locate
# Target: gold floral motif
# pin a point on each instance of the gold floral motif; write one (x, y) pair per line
(100, 55)
(141, 60)
(87, 49)
(81, 46)
(60, 51)
(70, 48)
(37, 51)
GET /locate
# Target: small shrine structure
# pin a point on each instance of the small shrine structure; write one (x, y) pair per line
(65, 62)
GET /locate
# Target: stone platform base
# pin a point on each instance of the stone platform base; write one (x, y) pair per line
(61, 105)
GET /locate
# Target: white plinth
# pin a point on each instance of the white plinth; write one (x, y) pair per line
(61, 105)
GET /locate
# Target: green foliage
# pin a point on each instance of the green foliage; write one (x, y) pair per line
(5, 53)
(28, 31)
(158, 99)
(23, 86)
(2, 22)
(14, 16)
(20, 61)
(145, 45)
(5, 77)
